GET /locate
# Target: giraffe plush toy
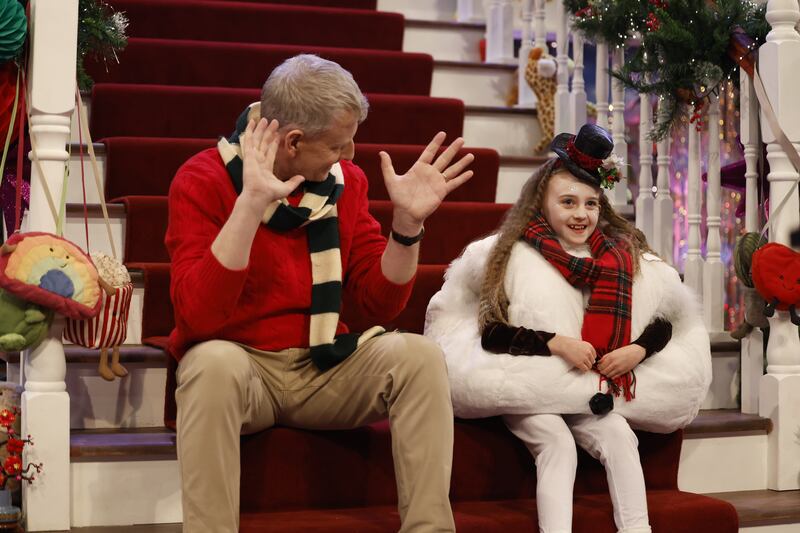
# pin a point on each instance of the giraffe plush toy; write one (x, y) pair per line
(541, 76)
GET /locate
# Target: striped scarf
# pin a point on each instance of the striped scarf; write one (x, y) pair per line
(317, 213)
(609, 275)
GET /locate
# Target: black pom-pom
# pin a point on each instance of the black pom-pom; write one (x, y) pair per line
(601, 404)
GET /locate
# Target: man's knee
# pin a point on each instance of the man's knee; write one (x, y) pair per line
(418, 356)
(220, 362)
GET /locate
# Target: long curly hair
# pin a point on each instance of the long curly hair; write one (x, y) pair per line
(493, 297)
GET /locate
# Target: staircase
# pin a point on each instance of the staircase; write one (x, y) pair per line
(180, 85)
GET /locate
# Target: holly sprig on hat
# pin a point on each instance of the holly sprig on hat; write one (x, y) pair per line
(610, 171)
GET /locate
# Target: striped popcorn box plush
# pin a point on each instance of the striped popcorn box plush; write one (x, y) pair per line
(107, 330)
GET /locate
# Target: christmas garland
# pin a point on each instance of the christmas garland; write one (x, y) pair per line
(686, 46)
(101, 32)
(608, 21)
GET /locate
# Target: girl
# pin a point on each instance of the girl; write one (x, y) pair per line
(572, 284)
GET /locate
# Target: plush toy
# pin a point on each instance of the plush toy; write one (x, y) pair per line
(23, 325)
(47, 270)
(743, 252)
(776, 276)
(107, 330)
(541, 76)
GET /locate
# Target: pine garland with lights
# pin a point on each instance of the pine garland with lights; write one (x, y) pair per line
(685, 53)
(101, 33)
(608, 21)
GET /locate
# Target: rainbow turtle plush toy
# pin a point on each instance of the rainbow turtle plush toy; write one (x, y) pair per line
(52, 272)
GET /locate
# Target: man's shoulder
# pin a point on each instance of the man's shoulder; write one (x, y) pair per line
(204, 169)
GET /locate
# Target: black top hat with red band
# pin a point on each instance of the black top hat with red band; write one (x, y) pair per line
(586, 155)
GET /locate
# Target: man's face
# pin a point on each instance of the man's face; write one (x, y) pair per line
(314, 156)
(571, 207)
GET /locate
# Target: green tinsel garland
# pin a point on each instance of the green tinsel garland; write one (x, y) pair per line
(101, 33)
(684, 52)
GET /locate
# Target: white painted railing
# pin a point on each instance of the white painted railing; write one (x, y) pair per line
(645, 201)
(470, 11)
(753, 344)
(779, 397)
(663, 208)
(713, 269)
(500, 32)
(525, 96)
(45, 402)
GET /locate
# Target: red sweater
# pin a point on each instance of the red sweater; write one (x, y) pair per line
(266, 305)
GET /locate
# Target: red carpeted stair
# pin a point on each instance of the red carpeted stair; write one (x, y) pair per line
(146, 166)
(204, 112)
(190, 69)
(250, 22)
(447, 231)
(221, 64)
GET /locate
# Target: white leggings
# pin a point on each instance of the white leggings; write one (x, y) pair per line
(551, 440)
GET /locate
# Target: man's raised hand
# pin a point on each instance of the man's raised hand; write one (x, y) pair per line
(417, 193)
(260, 186)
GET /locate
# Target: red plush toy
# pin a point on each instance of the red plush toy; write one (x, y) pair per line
(776, 275)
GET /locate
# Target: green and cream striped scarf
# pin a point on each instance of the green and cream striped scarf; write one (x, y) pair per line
(317, 212)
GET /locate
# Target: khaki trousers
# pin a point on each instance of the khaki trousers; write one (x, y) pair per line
(225, 389)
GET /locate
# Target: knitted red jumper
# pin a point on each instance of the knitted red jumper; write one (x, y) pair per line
(266, 305)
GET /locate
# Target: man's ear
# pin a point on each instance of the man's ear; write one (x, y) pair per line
(292, 140)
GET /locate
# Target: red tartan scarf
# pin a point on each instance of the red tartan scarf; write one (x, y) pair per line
(609, 275)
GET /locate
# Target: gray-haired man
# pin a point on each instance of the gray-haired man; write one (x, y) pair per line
(275, 219)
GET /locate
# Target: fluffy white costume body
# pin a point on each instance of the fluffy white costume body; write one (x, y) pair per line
(671, 384)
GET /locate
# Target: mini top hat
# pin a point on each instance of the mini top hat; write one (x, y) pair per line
(588, 156)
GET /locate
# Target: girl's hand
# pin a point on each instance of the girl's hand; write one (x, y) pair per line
(621, 361)
(578, 353)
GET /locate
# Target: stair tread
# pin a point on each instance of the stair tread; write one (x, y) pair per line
(500, 110)
(725, 421)
(145, 442)
(472, 64)
(128, 353)
(445, 24)
(127, 442)
(763, 507)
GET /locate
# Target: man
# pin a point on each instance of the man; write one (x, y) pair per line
(265, 232)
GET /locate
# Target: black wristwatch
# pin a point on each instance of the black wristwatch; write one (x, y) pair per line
(405, 240)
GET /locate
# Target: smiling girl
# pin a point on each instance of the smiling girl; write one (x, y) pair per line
(569, 282)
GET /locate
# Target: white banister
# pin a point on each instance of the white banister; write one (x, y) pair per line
(780, 387)
(500, 32)
(45, 402)
(753, 344)
(644, 200)
(693, 268)
(619, 195)
(563, 120)
(601, 84)
(713, 269)
(577, 96)
(663, 208)
(470, 11)
(748, 109)
(525, 96)
(539, 28)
